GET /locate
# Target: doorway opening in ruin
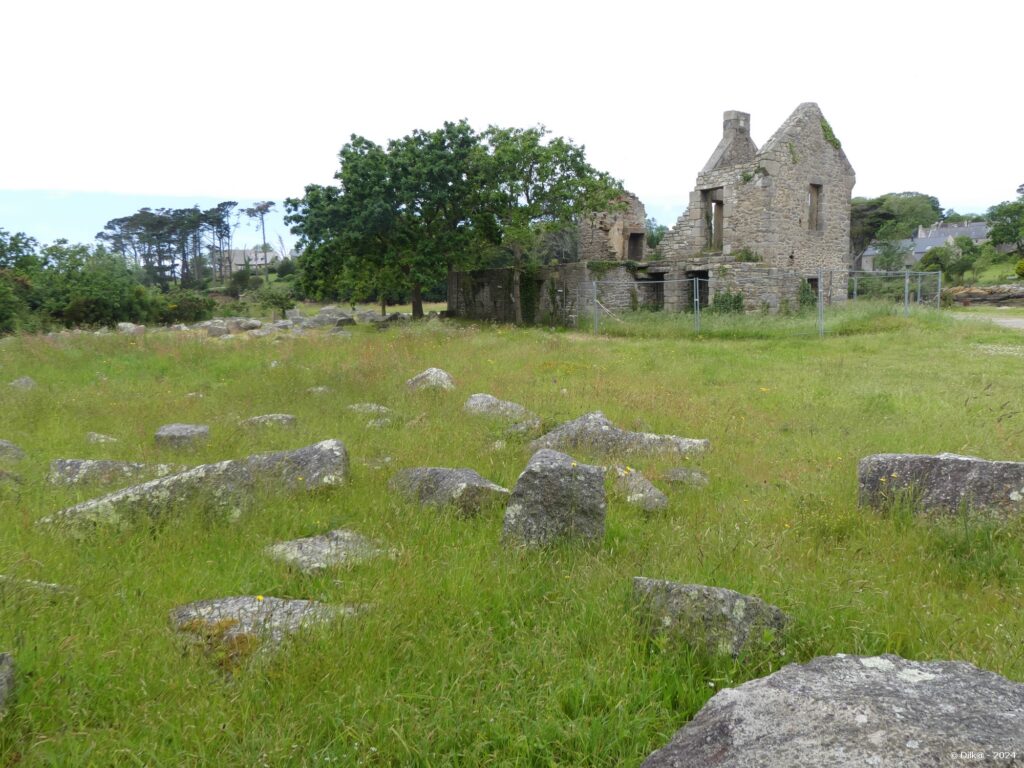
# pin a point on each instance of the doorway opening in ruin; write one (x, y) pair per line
(813, 282)
(714, 217)
(651, 291)
(698, 281)
(635, 247)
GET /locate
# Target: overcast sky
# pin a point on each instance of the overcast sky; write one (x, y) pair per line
(249, 100)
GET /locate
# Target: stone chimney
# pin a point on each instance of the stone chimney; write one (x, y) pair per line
(736, 145)
(734, 123)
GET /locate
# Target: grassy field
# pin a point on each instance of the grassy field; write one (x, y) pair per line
(474, 655)
(999, 273)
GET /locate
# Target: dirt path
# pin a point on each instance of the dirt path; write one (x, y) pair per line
(1015, 323)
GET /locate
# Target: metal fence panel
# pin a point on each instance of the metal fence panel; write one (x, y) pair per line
(798, 303)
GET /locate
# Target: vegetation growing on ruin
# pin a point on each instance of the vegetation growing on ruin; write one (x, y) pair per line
(600, 269)
(746, 255)
(829, 134)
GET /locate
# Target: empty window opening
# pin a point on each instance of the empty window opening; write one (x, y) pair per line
(699, 283)
(714, 217)
(635, 247)
(814, 218)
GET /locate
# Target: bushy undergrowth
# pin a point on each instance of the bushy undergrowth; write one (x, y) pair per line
(473, 654)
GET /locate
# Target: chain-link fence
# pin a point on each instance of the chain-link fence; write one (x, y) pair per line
(752, 300)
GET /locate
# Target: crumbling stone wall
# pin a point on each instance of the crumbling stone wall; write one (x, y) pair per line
(557, 294)
(606, 236)
(483, 294)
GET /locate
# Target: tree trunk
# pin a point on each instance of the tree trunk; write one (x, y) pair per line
(517, 298)
(417, 301)
(383, 304)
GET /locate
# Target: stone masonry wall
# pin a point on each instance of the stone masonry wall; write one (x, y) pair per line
(764, 288)
(565, 293)
(605, 236)
(562, 293)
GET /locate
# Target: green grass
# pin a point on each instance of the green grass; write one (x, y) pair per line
(997, 273)
(475, 655)
(843, 319)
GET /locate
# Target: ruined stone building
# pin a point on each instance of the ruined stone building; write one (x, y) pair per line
(760, 222)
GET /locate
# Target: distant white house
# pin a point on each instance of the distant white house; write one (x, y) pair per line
(930, 237)
(253, 258)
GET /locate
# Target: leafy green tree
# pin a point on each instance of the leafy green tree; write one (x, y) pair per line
(277, 297)
(350, 233)
(401, 216)
(239, 282)
(258, 213)
(442, 222)
(93, 286)
(655, 232)
(535, 185)
(1007, 219)
(866, 218)
(10, 306)
(285, 268)
(18, 251)
(952, 217)
(404, 215)
(891, 256)
(909, 211)
(965, 254)
(22, 273)
(935, 259)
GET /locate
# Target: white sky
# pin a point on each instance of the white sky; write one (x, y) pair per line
(253, 100)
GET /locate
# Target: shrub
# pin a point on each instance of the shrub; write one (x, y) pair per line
(232, 309)
(727, 302)
(807, 297)
(285, 267)
(10, 306)
(238, 282)
(277, 297)
(1019, 269)
(184, 306)
(746, 255)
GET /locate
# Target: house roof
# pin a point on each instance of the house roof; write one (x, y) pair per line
(976, 230)
(940, 234)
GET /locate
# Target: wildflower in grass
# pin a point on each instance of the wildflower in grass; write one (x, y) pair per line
(259, 598)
